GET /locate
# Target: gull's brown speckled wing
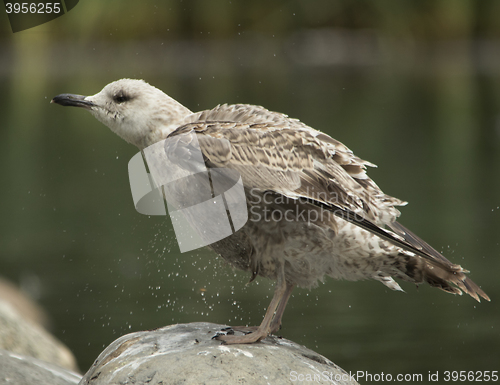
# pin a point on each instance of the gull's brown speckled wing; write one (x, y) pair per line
(278, 153)
(275, 153)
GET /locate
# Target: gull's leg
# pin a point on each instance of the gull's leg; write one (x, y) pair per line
(276, 324)
(265, 327)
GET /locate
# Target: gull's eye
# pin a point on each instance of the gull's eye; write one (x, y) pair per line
(121, 97)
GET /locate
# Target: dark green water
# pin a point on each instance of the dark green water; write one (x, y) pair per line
(102, 270)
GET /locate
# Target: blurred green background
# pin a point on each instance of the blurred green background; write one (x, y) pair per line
(412, 86)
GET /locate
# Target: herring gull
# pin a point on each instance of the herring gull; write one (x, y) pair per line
(293, 175)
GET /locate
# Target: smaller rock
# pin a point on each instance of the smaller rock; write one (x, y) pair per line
(23, 337)
(187, 354)
(18, 369)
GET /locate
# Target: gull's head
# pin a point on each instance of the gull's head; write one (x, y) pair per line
(136, 111)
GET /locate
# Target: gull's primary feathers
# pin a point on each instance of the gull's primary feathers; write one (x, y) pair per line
(313, 211)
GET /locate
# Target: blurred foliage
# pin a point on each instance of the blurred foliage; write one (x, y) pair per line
(202, 19)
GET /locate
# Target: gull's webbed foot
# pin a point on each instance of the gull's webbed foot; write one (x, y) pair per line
(252, 334)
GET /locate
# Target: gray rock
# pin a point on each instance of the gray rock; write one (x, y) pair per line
(187, 354)
(17, 369)
(24, 337)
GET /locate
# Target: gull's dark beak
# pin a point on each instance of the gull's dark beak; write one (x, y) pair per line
(73, 100)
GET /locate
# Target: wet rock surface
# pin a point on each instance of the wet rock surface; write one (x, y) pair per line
(187, 354)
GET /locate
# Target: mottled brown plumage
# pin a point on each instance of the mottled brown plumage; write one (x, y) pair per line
(313, 211)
